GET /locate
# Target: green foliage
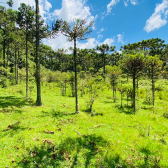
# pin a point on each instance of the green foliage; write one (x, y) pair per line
(94, 87)
(133, 64)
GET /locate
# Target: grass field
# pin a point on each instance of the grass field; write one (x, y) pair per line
(53, 136)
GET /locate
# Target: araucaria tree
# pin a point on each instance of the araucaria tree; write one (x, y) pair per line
(76, 31)
(38, 101)
(114, 72)
(154, 66)
(26, 19)
(133, 65)
(104, 48)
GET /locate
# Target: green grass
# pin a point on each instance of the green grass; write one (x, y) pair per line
(114, 137)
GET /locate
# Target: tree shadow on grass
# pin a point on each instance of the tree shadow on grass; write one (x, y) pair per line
(125, 109)
(72, 152)
(13, 130)
(93, 113)
(84, 151)
(13, 101)
(56, 114)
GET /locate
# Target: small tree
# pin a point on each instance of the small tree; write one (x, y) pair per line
(26, 19)
(133, 65)
(76, 31)
(104, 48)
(154, 66)
(114, 73)
(94, 86)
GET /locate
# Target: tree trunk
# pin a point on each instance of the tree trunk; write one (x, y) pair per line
(4, 45)
(7, 56)
(113, 92)
(133, 92)
(153, 91)
(137, 87)
(76, 82)
(104, 64)
(27, 75)
(16, 68)
(38, 101)
(18, 65)
(121, 99)
(51, 63)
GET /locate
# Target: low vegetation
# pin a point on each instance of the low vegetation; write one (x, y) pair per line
(108, 136)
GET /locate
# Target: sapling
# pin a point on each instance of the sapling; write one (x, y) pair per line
(64, 79)
(113, 73)
(122, 89)
(82, 76)
(154, 66)
(71, 81)
(133, 65)
(94, 86)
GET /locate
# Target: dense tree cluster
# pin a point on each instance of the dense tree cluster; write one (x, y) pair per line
(22, 53)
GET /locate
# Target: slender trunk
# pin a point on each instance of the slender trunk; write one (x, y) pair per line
(51, 63)
(27, 75)
(4, 46)
(65, 87)
(16, 67)
(121, 99)
(113, 92)
(137, 87)
(7, 56)
(76, 84)
(104, 63)
(153, 91)
(127, 98)
(38, 101)
(133, 92)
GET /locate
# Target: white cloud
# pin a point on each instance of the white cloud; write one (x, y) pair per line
(109, 41)
(112, 3)
(61, 42)
(166, 13)
(126, 2)
(101, 30)
(44, 6)
(73, 9)
(156, 21)
(120, 38)
(100, 36)
(134, 2)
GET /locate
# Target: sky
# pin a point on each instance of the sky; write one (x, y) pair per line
(116, 22)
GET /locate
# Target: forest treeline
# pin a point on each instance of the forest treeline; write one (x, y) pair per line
(18, 54)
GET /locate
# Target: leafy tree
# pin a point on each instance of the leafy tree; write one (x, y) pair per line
(114, 73)
(38, 100)
(62, 53)
(133, 65)
(104, 48)
(94, 86)
(78, 30)
(154, 66)
(26, 18)
(7, 25)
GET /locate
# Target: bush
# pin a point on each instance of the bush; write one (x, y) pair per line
(4, 82)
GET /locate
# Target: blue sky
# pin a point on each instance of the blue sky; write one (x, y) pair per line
(117, 22)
